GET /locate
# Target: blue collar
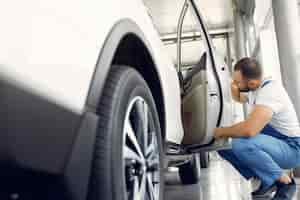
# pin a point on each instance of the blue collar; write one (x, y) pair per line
(266, 82)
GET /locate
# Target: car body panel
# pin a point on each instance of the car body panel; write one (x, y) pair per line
(228, 104)
(52, 50)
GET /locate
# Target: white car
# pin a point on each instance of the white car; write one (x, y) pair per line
(91, 102)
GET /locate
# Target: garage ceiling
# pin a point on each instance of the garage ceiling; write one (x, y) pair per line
(217, 14)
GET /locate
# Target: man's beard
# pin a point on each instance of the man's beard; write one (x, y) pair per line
(246, 89)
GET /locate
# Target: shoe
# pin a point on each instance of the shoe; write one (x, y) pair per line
(264, 191)
(255, 183)
(285, 191)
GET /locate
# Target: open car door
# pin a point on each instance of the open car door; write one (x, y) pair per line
(205, 82)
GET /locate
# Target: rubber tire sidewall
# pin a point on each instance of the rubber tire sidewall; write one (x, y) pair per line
(129, 85)
(204, 159)
(189, 172)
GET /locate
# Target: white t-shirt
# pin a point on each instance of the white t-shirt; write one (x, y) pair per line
(272, 94)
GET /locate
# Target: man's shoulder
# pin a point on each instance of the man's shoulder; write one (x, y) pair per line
(274, 89)
(271, 84)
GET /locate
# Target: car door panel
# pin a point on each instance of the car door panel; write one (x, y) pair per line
(205, 101)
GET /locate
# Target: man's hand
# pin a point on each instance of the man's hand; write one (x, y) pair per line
(234, 87)
(217, 133)
(235, 91)
(236, 95)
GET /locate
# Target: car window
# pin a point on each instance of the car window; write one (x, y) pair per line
(193, 43)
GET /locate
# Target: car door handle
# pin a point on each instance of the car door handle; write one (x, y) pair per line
(213, 94)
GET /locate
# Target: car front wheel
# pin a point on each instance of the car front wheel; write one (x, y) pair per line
(128, 151)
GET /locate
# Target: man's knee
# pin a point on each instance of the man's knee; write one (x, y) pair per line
(240, 145)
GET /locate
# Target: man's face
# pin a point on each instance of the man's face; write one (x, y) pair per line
(241, 82)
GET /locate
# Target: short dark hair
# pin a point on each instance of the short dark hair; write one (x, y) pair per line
(249, 68)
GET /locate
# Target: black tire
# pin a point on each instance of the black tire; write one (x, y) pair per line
(189, 172)
(204, 159)
(111, 177)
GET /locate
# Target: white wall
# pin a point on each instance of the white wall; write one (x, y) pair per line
(263, 19)
(269, 52)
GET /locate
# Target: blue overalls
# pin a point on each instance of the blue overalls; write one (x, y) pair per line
(264, 155)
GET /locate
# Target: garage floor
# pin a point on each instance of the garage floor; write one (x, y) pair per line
(219, 182)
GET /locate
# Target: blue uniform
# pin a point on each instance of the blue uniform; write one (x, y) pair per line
(276, 147)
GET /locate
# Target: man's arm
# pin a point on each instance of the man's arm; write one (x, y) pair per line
(236, 95)
(256, 121)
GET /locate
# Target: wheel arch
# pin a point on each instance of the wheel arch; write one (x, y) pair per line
(127, 45)
(134, 53)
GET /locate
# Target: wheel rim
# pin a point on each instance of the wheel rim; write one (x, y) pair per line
(141, 161)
